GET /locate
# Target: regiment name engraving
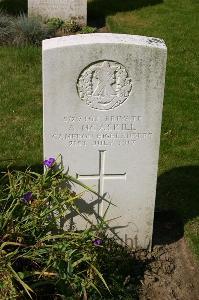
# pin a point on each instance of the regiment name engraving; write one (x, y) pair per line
(106, 131)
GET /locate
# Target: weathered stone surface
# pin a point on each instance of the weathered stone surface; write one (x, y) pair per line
(64, 9)
(103, 96)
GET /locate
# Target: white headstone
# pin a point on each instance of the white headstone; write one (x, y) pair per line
(103, 96)
(63, 9)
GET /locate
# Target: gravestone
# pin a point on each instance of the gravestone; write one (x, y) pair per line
(103, 97)
(63, 9)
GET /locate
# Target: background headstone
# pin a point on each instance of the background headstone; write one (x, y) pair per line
(103, 96)
(63, 9)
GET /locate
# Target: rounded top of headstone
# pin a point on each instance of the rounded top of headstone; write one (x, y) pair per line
(103, 38)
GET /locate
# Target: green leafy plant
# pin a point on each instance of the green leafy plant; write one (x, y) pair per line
(55, 23)
(62, 27)
(31, 30)
(42, 254)
(70, 27)
(35, 251)
(88, 29)
(24, 30)
(6, 28)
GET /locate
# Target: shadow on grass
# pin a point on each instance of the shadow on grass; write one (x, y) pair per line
(176, 203)
(178, 189)
(14, 7)
(98, 10)
(11, 167)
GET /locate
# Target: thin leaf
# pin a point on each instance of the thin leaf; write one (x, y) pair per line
(12, 244)
(58, 236)
(94, 286)
(25, 286)
(100, 276)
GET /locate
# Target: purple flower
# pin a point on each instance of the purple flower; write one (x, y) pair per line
(49, 162)
(97, 242)
(27, 197)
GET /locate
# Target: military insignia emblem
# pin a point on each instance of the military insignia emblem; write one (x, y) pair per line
(104, 85)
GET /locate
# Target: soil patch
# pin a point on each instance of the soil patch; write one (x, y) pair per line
(172, 273)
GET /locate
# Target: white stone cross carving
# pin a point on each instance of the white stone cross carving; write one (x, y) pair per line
(101, 176)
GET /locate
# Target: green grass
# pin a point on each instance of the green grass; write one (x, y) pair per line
(14, 7)
(21, 106)
(176, 21)
(192, 235)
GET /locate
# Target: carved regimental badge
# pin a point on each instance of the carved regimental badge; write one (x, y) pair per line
(104, 85)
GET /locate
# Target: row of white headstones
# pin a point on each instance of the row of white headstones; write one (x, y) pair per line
(103, 98)
(63, 9)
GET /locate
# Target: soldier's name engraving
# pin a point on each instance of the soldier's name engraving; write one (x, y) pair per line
(106, 131)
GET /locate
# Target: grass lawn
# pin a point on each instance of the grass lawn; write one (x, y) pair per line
(21, 106)
(177, 22)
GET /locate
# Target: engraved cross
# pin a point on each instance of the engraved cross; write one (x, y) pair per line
(101, 176)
